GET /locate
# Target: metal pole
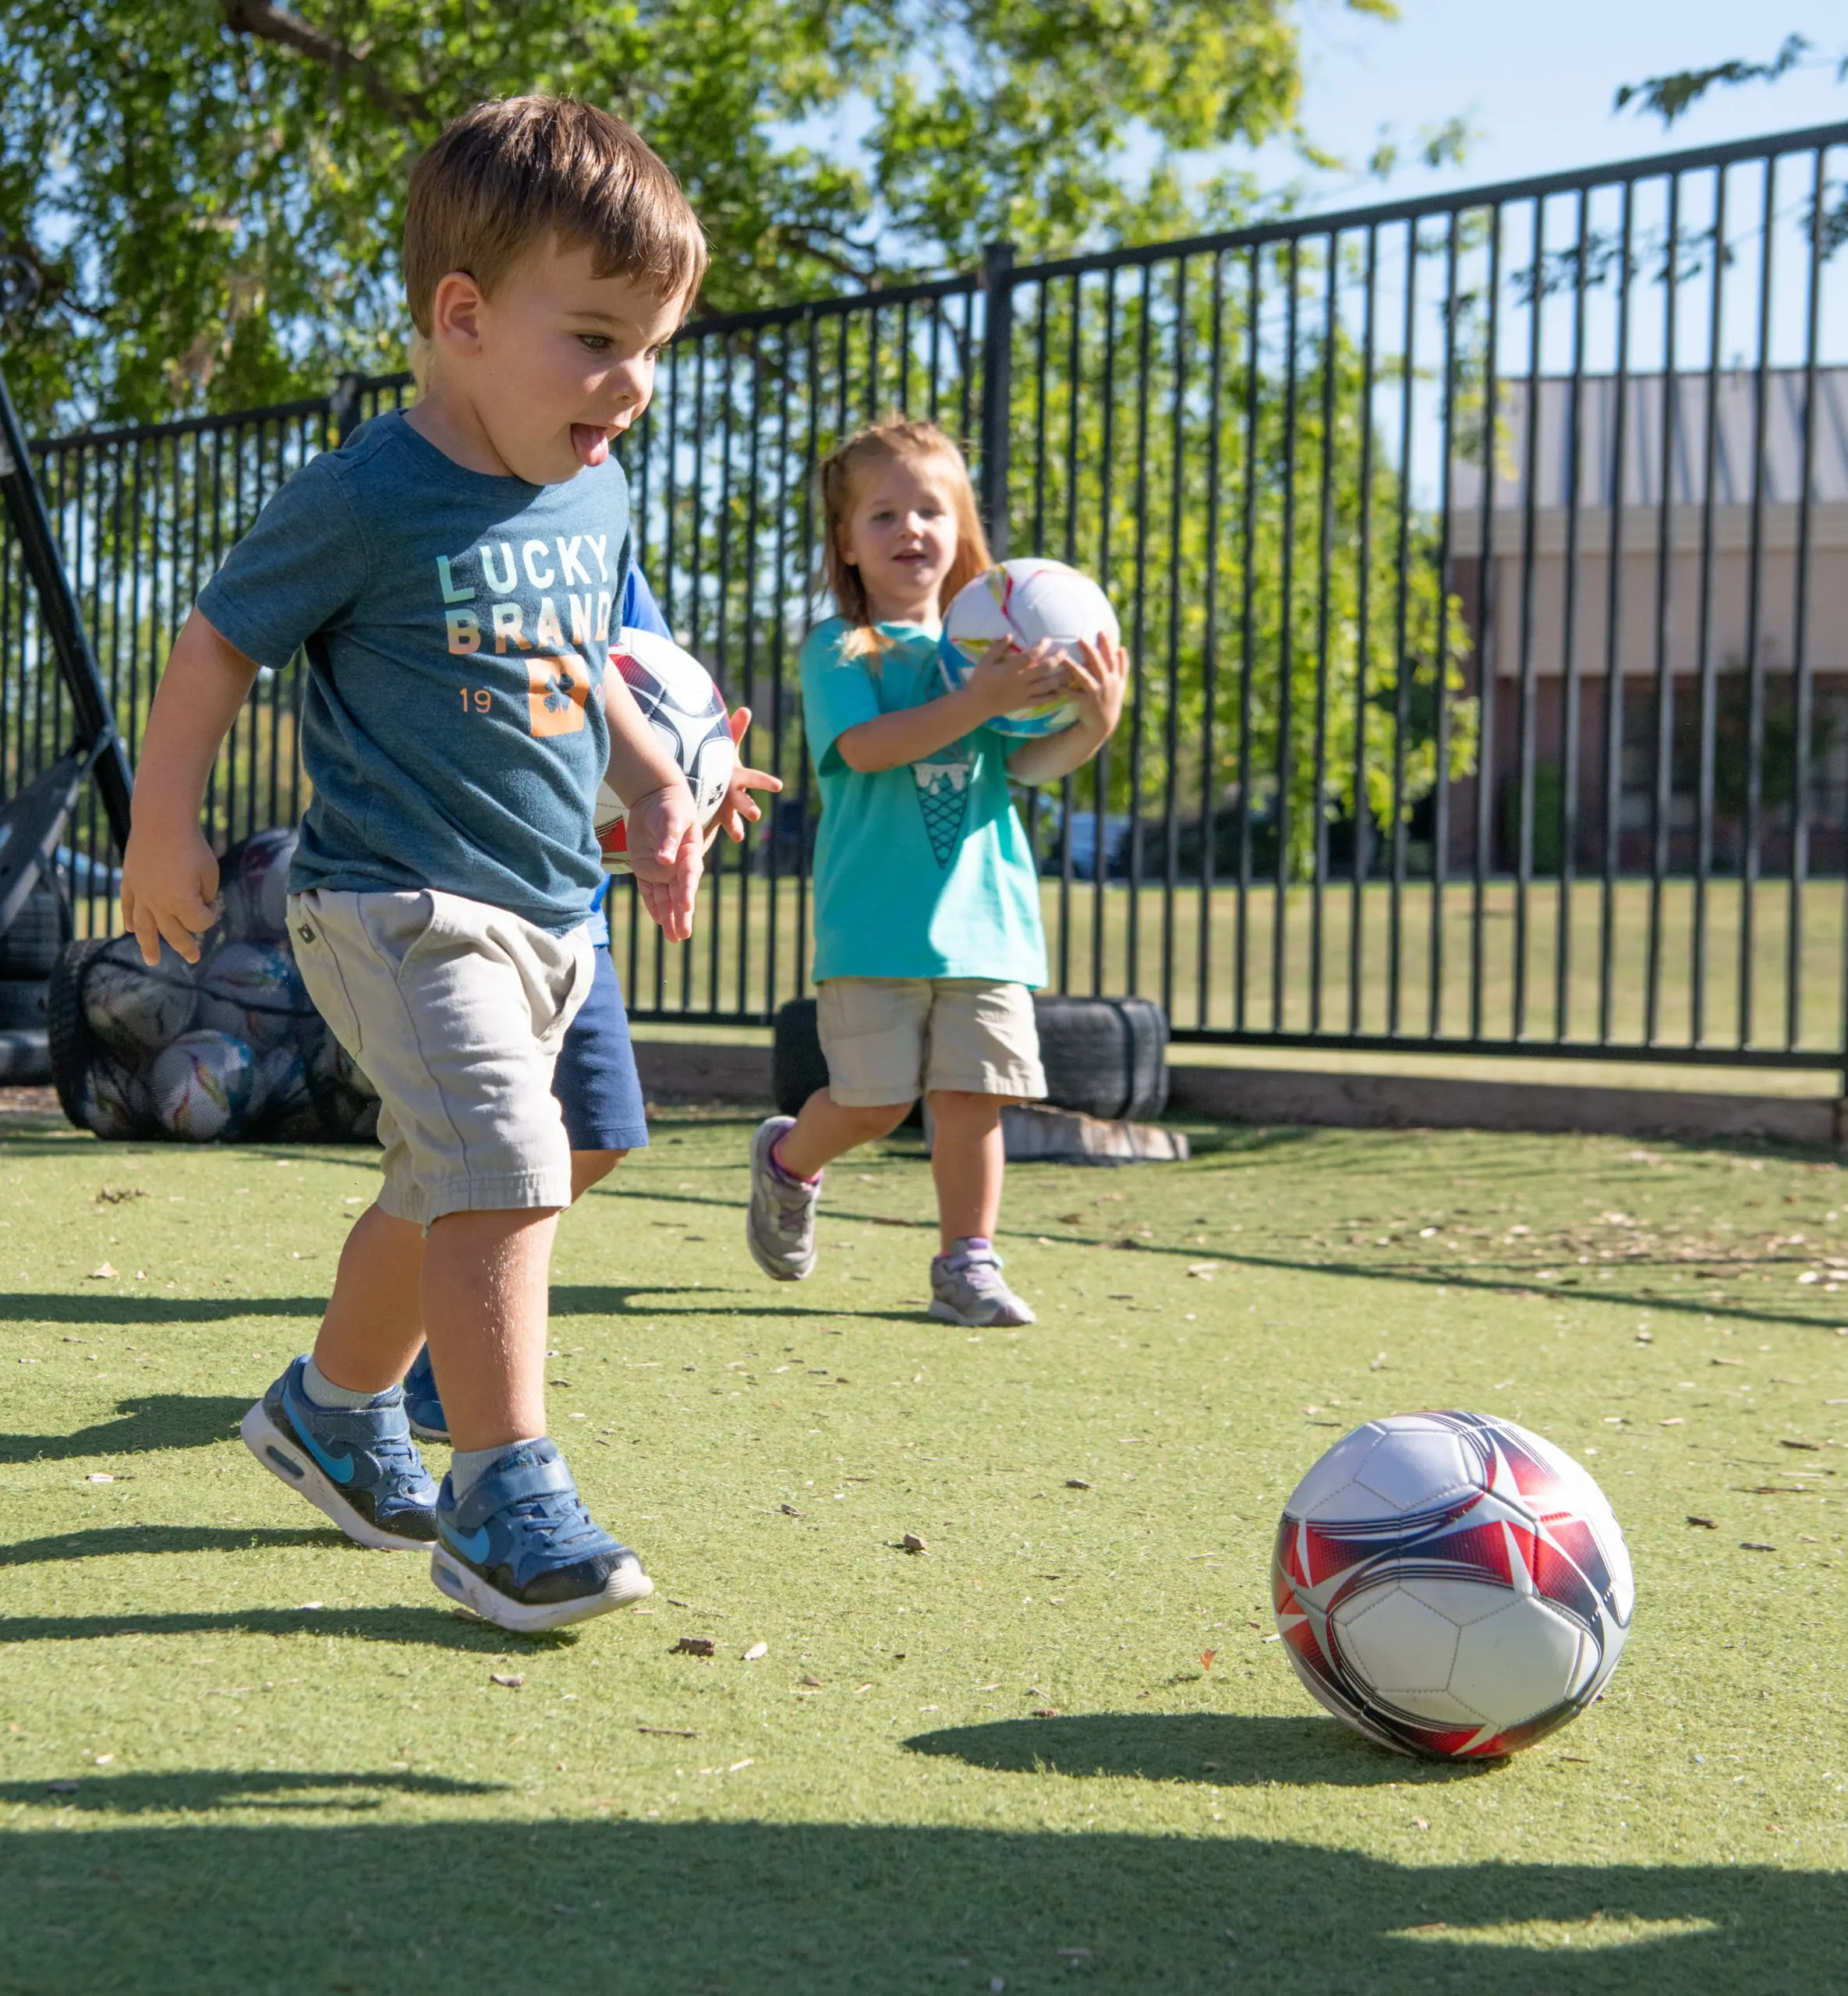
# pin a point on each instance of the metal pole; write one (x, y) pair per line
(997, 385)
(58, 604)
(343, 405)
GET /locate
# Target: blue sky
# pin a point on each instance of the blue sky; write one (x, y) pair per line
(1536, 82)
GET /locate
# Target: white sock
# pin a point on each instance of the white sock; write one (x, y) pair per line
(467, 1465)
(322, 1391)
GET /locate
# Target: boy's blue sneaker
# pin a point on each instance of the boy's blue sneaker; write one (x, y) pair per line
(358, 1465)
(519, 1549)
(422, 1405)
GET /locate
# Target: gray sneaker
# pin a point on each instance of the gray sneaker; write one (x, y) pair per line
(966, 1287)
(781, 1223)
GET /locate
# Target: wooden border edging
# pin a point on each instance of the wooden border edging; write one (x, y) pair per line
(684, 1071)
(1400, 1102)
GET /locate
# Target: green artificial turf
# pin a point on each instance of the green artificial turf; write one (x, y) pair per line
(294, 1769)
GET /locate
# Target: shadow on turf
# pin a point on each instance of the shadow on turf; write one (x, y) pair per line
(593, 1299)
(138, 1306)
(198, 1791)
(611, 1903)
(429, 1626)
(1221, 1750)
(110, 1540)
(151, 1421)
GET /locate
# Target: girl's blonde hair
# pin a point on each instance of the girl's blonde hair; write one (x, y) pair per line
(892, 437)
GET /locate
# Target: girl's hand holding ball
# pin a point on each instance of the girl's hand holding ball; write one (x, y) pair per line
(1096, 681)
(1007, 677)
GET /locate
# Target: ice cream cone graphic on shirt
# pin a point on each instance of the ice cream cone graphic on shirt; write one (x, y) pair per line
(943, 798)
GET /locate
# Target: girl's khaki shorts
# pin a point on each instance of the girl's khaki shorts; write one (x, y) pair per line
(890, 1039)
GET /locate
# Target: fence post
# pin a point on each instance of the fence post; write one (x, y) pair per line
(23, 504)
(343, 405)
(997, 386)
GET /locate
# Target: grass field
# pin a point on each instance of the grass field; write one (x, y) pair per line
(240, 1755)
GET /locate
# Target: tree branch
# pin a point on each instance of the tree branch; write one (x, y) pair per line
(264, 22)
(1669, 97)
(814, 243)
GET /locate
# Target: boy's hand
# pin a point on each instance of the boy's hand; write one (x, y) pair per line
(169, 890)
(1007, 677)
(664, 856)
(169, 875)
(1099, 677)
(737, 805)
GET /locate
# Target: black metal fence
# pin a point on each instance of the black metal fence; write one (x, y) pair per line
(1484, 560)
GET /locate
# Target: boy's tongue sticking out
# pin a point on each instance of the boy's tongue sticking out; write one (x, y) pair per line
(591, 441)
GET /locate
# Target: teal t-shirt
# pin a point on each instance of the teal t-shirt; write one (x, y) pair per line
(921, 871)
(456, 626)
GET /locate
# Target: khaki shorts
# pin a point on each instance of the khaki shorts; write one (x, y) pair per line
(890, 1039)
(455, 1010)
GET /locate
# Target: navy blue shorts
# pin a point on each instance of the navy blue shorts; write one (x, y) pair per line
(595, 1079)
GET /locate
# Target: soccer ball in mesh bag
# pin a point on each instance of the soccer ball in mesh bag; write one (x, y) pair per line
(678, 700)
(1451, 1585)
(113, 1102)
(253, 882)
(203, 1086)
(1027, 602)
(282, 1086)
(347, 1101)
(254, 992)
(131, 1007)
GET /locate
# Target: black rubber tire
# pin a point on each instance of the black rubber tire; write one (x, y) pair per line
(1105, 1056)
(797, 1065)
(29, 949)
(73, 1044)
(24, 1004)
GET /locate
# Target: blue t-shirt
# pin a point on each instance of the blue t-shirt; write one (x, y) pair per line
(456, 626)
(921, 871)
(640, 612)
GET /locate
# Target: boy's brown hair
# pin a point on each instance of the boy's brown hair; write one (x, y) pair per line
(893, 437)
(507, 174)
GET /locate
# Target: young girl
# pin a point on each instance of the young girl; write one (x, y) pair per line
(928, 942)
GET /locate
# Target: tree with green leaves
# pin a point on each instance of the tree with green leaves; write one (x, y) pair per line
(211, 191)
(1215, 455)
(1267, 522)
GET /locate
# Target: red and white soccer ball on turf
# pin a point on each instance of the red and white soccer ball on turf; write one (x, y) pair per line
(1451, 1585)
(677, 699)
(1027, 601)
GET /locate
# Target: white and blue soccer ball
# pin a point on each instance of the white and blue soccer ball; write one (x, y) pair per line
(253, 884)
(113, 1102)
(678, 700)
(132, 1007)
(203, 1086)
(1027, 602)
(347, 1101)
(281, 1088)
(1451, 1585)
(254, 992)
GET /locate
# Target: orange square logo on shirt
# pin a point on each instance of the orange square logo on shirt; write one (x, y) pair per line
(559, 686)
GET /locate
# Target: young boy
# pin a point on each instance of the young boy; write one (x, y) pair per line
(454, 572)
